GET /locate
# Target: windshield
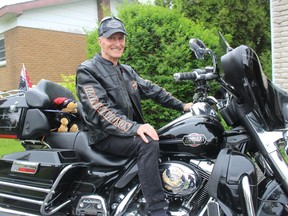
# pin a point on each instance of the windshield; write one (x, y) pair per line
(258, 94)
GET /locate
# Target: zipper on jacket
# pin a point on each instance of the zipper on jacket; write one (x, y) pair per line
(121, 78)
(137, 111)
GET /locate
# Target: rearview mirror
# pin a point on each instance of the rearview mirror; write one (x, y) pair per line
(198, 47)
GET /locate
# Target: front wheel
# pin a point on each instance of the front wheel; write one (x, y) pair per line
(274, 201)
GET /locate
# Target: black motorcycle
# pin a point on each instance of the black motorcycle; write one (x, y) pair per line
(205, 169)
(250, 176)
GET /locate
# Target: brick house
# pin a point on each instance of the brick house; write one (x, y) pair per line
(279, 26)
(48, 36)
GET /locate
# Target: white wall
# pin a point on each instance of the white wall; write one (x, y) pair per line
(7, 23)
(279, 23)
(75, 17)
(78, 16)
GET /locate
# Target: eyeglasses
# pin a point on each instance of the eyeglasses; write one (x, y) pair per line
(100, 30)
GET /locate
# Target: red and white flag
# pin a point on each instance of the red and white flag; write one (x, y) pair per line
(25, 82)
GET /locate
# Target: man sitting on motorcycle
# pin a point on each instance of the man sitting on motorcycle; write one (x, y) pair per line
(110, 93)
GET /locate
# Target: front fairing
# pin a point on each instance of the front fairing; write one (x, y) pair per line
(258, 94)
(225, 180)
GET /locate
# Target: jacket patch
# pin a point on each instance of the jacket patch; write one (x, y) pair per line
(104, 111)
(134, 85)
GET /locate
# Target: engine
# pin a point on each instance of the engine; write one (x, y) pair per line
(179, 179)
(185, 184)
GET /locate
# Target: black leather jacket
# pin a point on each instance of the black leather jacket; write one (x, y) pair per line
(110, 96)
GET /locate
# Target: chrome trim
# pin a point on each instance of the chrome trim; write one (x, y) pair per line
(269, 140)
(247, 196)
(45, 145)
(21, 199)
(179, 179)
(194, 139)
(124, 204)
(90, 198)
(207, 166)
(18, 164)
(188, 205)
(204, 210)
(213, 208)
(9, 211)
(263, 165)
(11, 93)
(25, 187)
(179, 213)
(203, 108)
(50, 192)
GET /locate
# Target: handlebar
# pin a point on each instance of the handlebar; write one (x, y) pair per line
(197, 74)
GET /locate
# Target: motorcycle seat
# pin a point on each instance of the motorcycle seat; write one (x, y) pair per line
(41, 97)
(88, 153)
(78, 141)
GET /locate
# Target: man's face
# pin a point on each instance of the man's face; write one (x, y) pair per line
(112, 47)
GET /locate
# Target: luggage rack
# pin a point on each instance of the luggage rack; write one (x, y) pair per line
(34, 144)
(42, 203)
(11, 93)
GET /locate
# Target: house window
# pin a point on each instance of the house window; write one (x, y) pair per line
(2, 51)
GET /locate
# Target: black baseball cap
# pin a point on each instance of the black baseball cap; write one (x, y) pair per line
(109, 26)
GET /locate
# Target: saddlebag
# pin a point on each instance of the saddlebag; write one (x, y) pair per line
(37, 180)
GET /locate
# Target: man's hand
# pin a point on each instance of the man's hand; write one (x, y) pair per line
(187, 106)
(147, 129)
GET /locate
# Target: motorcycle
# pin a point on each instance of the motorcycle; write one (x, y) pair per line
(250, 175)
(205, 169)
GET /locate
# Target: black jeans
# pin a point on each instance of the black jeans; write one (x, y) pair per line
(147, 160)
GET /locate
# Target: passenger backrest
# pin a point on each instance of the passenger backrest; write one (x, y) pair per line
(44, 93)
(40, 100)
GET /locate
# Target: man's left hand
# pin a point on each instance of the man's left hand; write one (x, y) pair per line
(187, 106)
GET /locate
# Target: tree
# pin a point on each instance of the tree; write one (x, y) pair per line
(248, 21)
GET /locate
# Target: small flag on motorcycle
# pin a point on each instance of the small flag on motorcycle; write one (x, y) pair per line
(25, 82)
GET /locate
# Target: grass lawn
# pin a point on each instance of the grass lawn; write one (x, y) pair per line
(9, 145)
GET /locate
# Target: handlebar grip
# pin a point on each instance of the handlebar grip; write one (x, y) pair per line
(197, 74)
(185, 76)
(208, 76)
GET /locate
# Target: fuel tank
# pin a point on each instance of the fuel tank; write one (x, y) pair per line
(201, 135)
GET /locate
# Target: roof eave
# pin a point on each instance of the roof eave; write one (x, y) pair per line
(18, 9)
